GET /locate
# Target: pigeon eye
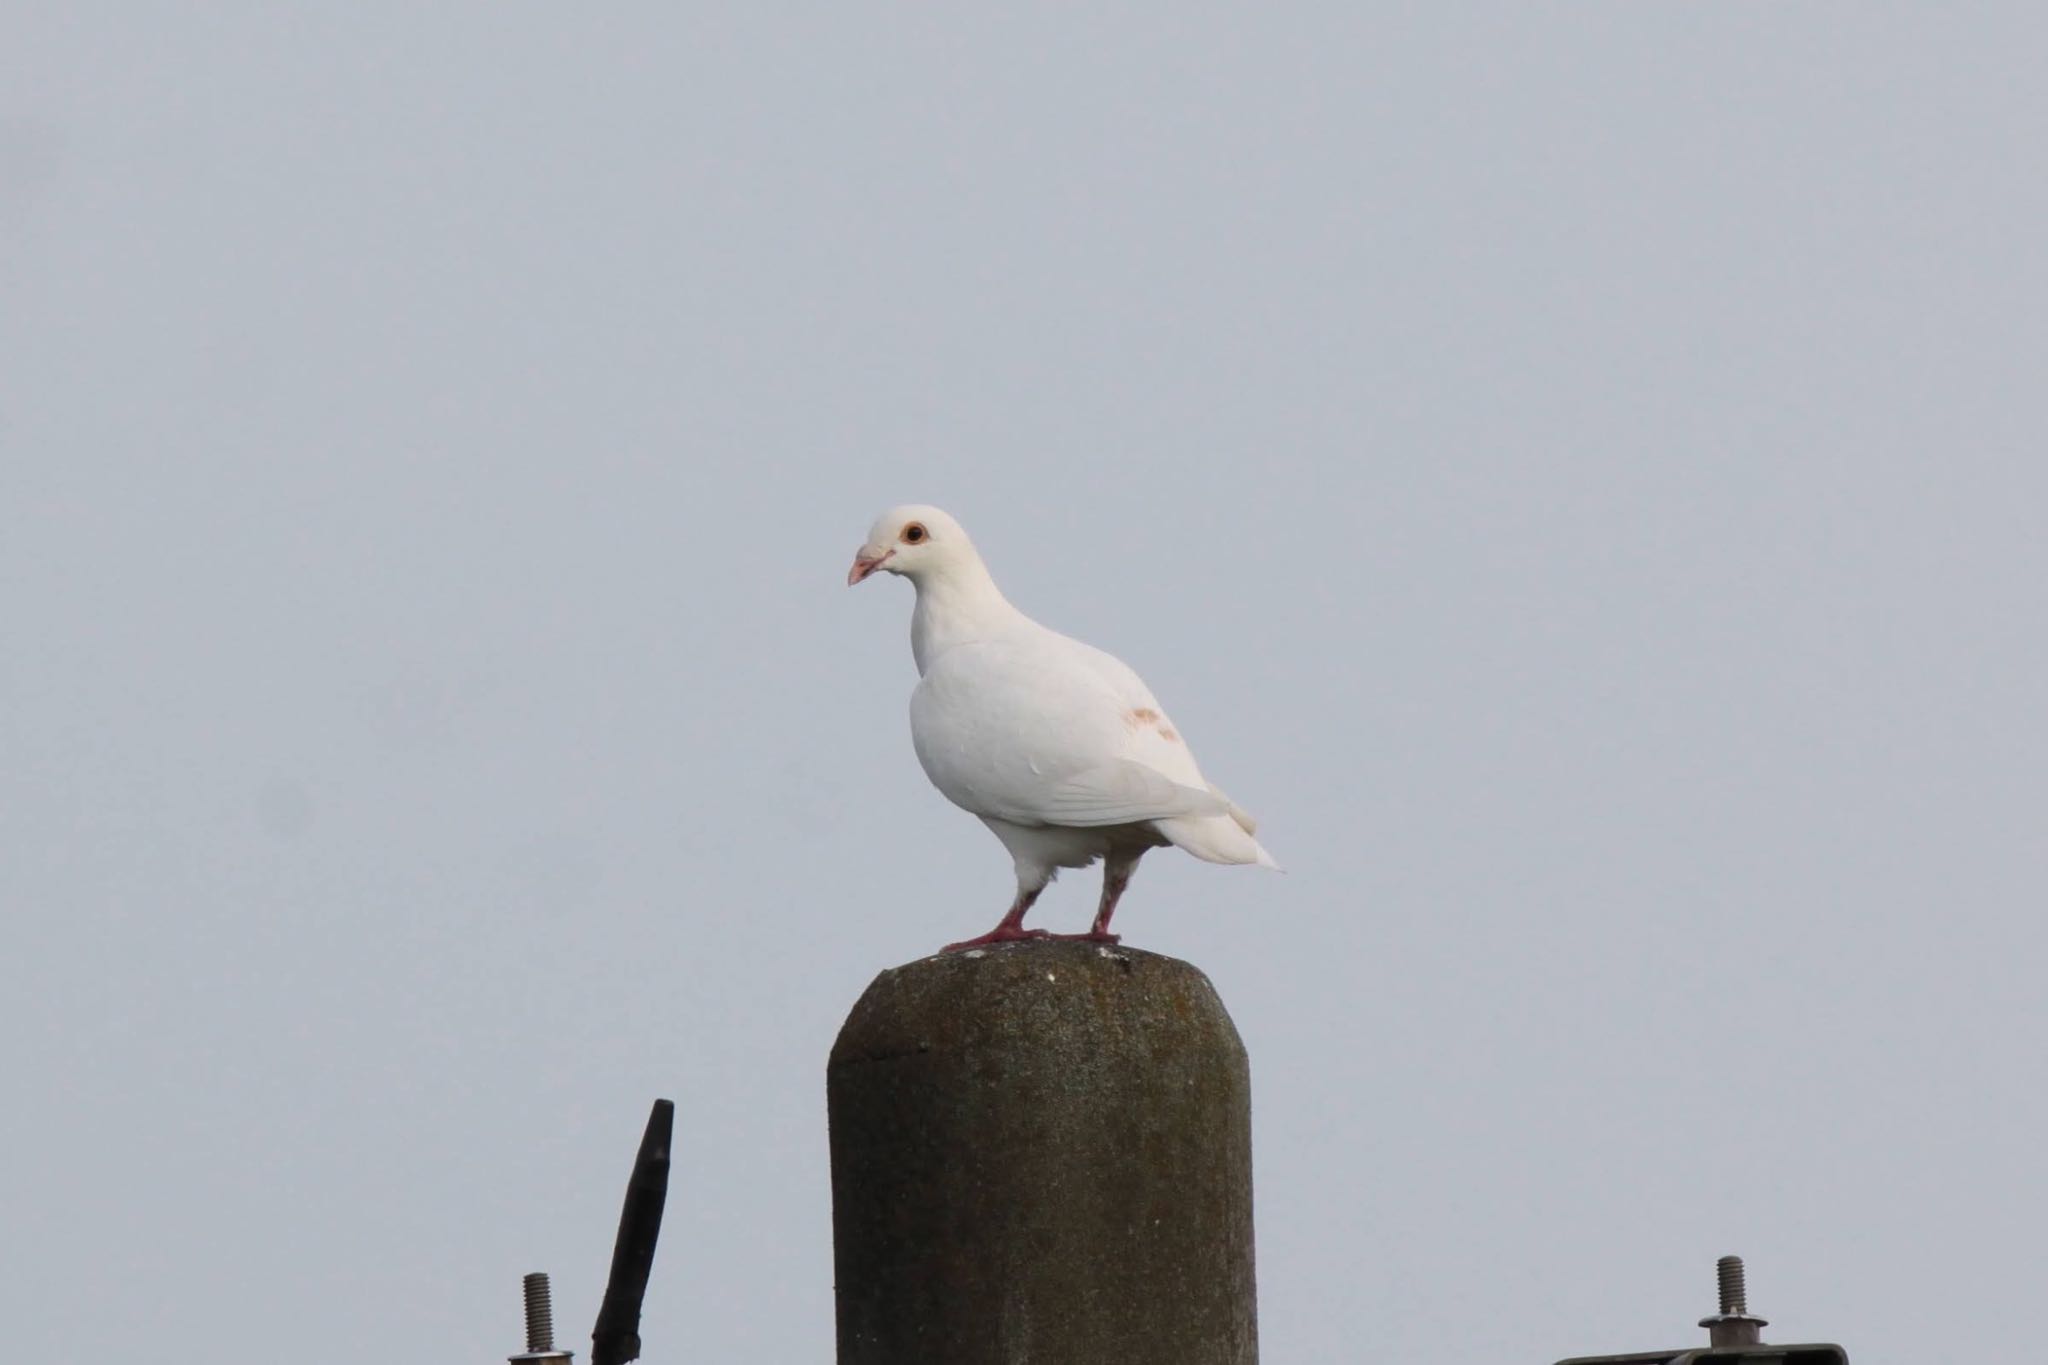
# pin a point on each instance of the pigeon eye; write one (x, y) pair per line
(915, 533)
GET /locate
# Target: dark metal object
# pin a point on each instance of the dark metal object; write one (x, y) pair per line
(1812, 1354)
(540, 1325)
(1728, 1277)
(616, 1338)
(1733, 1334)
(1734, 1325)
(1042, 1151)
(540, 1313)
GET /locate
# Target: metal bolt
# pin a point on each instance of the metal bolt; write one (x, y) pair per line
(1727, 1270)
(540, 1310)
(1734, 1325)
(540, 1325)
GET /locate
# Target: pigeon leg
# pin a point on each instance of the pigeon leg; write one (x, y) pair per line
(1116, 875)
(1010, 930)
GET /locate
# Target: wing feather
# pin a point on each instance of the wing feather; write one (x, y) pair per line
(1122, 792)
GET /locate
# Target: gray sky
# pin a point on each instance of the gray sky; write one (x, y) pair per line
(1576, 472)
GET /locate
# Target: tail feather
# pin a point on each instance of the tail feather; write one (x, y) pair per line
(1237, 812)
(1217, 838)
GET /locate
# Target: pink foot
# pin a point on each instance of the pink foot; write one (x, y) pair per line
(996, 935)
(1092, 936)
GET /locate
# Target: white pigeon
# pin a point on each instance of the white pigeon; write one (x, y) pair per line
(1061, 749)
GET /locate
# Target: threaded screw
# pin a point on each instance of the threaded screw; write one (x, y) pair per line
(540, 1313)
(1734, 1293)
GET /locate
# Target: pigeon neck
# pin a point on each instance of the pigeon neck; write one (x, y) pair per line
(955, 607)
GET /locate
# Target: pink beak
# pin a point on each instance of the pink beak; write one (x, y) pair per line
(863, 565)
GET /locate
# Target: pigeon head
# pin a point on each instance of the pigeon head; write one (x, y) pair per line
(915, 541)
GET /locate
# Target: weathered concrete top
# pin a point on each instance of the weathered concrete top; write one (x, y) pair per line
(1080, 998)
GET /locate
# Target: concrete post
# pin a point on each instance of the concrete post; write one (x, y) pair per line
(1041, 1153)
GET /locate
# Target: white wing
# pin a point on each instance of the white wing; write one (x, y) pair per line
(1038, 729)
(1123, 792)
(1032, 730)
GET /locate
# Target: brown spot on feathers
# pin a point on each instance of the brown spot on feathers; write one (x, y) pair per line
(1145, 715)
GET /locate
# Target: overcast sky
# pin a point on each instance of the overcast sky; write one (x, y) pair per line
(1575, 471)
